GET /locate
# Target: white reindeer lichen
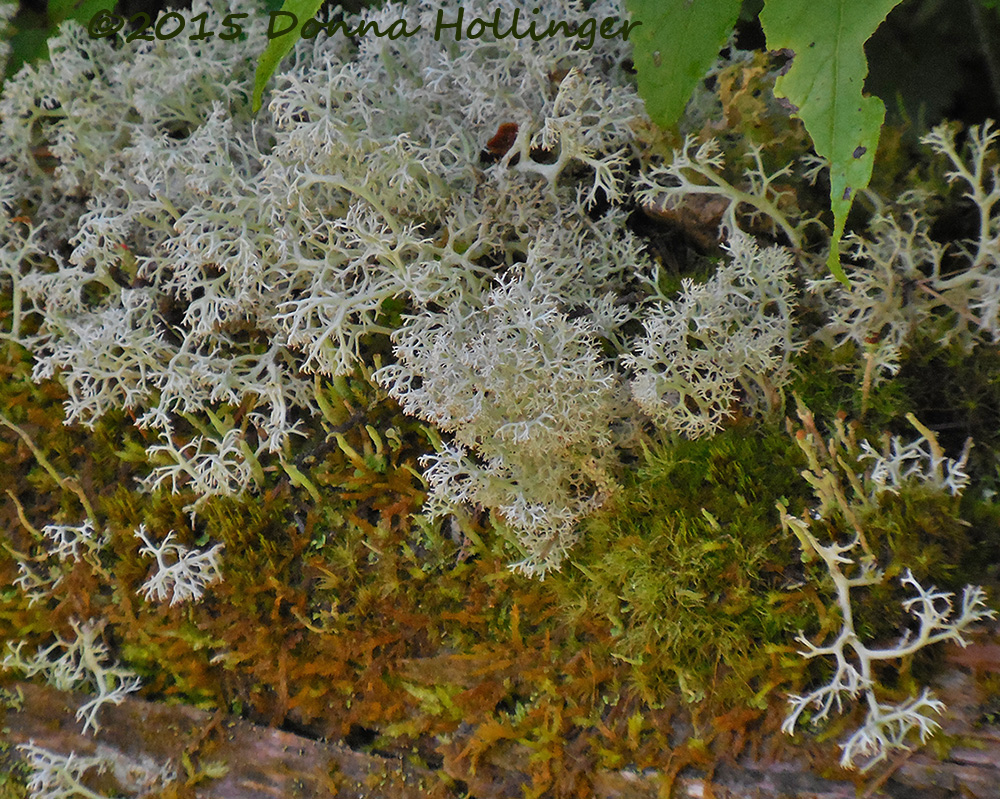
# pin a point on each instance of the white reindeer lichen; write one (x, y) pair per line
(181, 573)
(922, 460)
(843, 493)
(887, 726)
(63, 546)
(55, 776)
(731, 336)
(82, 661)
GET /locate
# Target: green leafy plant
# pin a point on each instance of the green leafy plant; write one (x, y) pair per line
(824, 83)
(280, 46)
(674, 47)
(679, 41)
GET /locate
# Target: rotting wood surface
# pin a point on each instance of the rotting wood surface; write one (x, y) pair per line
(142, 739)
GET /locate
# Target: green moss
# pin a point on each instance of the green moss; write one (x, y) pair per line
(351, 613)
(688, 564)
(958, 394)
(13, 773)
(830, 381)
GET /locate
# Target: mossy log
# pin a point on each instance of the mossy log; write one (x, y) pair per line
(145, 739)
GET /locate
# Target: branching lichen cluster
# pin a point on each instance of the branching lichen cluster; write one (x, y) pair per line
(361, 295)
(844, 492)
(219, 259)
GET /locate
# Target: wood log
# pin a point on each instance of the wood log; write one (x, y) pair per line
(146, 740)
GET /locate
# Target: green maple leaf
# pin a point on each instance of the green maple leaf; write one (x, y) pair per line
(824, 82)
(281, 46)
(673, 48)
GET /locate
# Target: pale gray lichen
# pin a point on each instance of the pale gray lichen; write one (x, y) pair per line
(62, 546)
(904, 281)
(195, 258)
(71, 664)
(887, 725)
(181, 574)
(56, 776)
(844, 493)
(727, 338)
